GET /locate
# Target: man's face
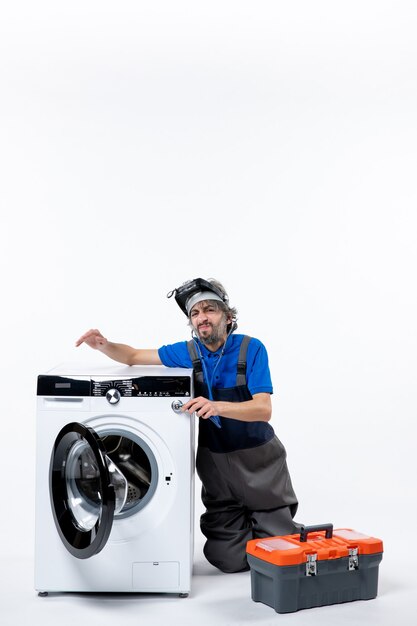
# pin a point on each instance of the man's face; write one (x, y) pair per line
(209, 322)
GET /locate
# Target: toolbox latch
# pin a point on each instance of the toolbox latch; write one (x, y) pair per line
(311, 565)
(353, 559)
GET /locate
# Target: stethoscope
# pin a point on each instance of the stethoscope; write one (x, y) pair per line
(209, 381)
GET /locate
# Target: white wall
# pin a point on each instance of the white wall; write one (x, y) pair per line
(271, 145)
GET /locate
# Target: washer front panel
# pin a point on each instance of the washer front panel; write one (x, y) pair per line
(160, 531)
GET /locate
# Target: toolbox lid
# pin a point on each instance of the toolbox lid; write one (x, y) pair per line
(320, 540)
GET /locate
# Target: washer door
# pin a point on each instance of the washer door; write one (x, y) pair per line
(83, 495)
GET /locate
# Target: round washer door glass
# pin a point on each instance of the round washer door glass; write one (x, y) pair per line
(84, 496)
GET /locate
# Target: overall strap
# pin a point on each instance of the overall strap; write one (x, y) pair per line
(241, 362)
(197, 367)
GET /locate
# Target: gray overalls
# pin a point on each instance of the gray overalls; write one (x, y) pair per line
(247, 488)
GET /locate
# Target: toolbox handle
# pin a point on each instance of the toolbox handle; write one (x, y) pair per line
(305, 530)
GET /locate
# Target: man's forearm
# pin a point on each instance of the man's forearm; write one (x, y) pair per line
(130, 356)
(256, 410)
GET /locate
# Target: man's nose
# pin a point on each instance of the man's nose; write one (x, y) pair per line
(202, 317)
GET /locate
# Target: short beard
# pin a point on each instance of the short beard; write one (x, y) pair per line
(218, 333)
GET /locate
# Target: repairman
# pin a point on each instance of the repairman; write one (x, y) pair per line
(246, 486)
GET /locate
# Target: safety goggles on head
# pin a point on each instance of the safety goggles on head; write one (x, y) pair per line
(196, 290)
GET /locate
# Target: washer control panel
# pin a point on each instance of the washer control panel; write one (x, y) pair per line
(116, 388)
(143, 387)
(112, 388)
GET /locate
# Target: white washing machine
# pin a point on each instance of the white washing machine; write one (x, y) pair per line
(114, 480)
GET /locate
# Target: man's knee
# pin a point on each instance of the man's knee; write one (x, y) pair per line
(228, 559)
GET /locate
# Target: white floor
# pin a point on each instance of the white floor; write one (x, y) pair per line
(216, 599)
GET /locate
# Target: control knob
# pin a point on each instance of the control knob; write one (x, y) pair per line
(176, 406)
(113, 396)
